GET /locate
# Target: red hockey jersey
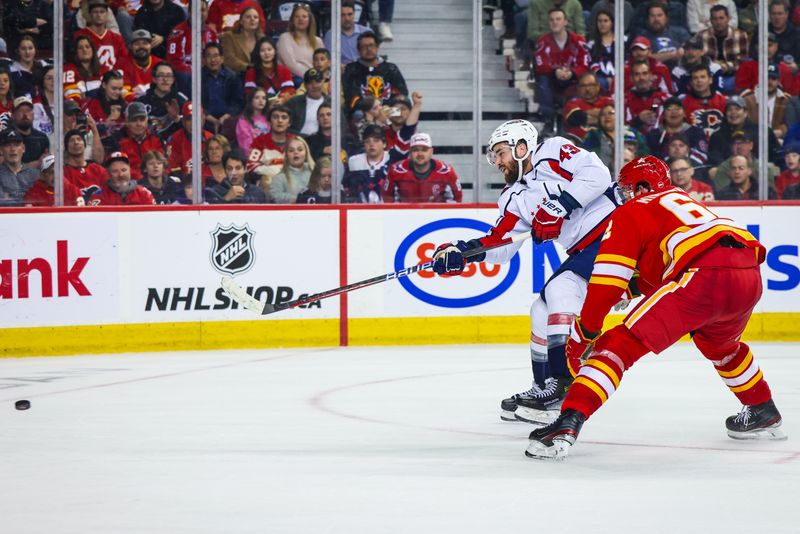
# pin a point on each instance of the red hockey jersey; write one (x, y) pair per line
(137, 149)
(137, 196)
(41, 194)
(705, 113)
(110, 46)
(179, 45)
(224, 14)
(136, 79)
(402, 185)
(662, 78)
(76, 86)
(279, 83)
(179, 151)
(636, 102)
(576, 104)
(265, 155)
(83, 177)
(549, 56)
(657, 235)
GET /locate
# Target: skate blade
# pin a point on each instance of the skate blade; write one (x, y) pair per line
(507, 415)
(537, 417)
(773, 433)
(539, 451)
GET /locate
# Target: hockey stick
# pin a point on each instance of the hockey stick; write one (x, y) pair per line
(241, 296)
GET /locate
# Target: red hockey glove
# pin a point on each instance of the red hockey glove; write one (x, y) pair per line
(548, 220)
(579, 341)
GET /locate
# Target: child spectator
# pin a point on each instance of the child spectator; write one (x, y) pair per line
(682, 174)
(253, 121)
(296, 45)
(295, 173)
(366, 172)
(420, 178)
(159, 17)
(233, 189)
(265, 72)
(240, 42)
(221, 88)
(791, 176)
(109, 45)
(725, 45)
(166, 189)
(403, 119)
(42, 192)
(319, 185)
(83, 76)
(322, 62)
(120, 189)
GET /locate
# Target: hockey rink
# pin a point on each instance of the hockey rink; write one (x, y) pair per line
(379, 440)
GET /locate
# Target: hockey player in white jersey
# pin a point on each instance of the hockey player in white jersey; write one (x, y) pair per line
(556, 191)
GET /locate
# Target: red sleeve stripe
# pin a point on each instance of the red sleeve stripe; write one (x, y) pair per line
(560, 319)
(558, 170)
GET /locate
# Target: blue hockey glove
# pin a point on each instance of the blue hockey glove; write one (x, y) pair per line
(449, 258)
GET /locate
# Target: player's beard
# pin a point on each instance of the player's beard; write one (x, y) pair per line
(511, 173)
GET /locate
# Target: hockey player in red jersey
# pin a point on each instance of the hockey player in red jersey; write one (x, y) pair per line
(700, 276)
(420, 178)
(120, 189)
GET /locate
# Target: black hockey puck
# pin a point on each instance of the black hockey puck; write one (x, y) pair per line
(22, 404)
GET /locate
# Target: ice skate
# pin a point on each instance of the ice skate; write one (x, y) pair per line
(544, 407)
(761, 421)
(554, 441)
(509, 406)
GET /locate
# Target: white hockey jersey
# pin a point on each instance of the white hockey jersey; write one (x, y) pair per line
(558, 167)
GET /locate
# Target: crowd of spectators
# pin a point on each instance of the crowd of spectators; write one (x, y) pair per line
(266, 109)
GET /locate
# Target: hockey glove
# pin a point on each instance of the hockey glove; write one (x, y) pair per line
(548, 220)
(631, 292)
(578, 343)
(449, 259)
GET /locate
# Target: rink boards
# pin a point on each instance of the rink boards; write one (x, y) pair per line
(75, 281)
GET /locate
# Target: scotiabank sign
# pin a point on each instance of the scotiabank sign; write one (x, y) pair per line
(54, 279)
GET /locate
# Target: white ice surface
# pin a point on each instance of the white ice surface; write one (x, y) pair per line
(379, 440)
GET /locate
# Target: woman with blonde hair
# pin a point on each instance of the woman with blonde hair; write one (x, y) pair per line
(213, 169)
(319, 185)
(297, 44)
(295, 174)
(238, 44)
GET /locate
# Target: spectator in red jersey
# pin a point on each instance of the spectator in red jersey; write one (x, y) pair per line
(266, 152)
(641, 51)
(673, 121)
(240, 42)
(644, 102)
(179, 146)
(165, 188)
(319, 143)
(725, 45)
(213, 169)
(560, 58)
(742, 185)
(42, 192)
(303, 108)
(137, 68)
(163, 101)
(703, 105)
(6, 92)
(224, 14)
(791, 176)
(135, 139)
(120, 189)
(265, 72)
(108, 107)
(253, 121)
(420, 178)
(159, 17)
(109, 45)
(179, 47)
(583, 112)
(403, 119)
(682, 174)
(297, 44)
(79, 172)
(221, 88)
(693, 55)
(234, 189)
(295, 173)
(747, 73)
(319, 190)
(83, 76)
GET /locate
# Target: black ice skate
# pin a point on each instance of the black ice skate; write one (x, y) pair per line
(544, 407)
(761, 421)
(509, 406)
(553, 441)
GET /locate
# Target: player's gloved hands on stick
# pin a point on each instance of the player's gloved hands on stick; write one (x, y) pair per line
(449, 259)
(579, 340)
(547, 221)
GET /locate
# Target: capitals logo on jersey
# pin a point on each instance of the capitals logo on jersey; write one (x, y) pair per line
(232, 249)
(377, 87)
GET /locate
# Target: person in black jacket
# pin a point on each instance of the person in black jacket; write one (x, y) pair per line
(721, 142)
(31, 17)
(233, 189)
(159, 17)
(371, 75)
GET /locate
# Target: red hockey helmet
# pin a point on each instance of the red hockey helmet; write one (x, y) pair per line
(648, 171)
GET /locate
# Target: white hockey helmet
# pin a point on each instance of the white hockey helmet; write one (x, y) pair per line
(513, 132)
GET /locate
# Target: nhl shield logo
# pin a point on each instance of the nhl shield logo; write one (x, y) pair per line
(232, 249)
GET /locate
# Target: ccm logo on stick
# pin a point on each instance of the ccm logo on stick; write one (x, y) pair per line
(418, 247)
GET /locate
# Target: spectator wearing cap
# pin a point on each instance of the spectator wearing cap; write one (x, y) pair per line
(742, 146)
(295, 173)
(641, 51)
(322, 62)
(350, 32)
(84, 74)
(698, 14)
(221, 90)
(403, 118)
(420, 178)
(682, 176)
(78, 171)
(42, 193)
(108, 107)
(297, 44)
(265, 72)
(120, 189)
(371, 75)
(747, 74)
(179, 47)
(159, 17)
(36, 142)
(15, 177)
(742, 185)
(777, 100)
(266, 152)
(737, 120)
(667, 40)
(110, 45)
(560, 58)
(135, 139)
(179, 146)
(725, 45)
(673, 121)
(786, 33)
(583, 112)
(163, 101)
(77, 119)
(224, 14)
(303, 108)
(366, 172)
(703, 105)
(165, 188)
(320, 142)
(643, 102)
(694, 55)
(137, 68)
(28, 17)
(234, 189)
(787, 184)
(539, 17)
